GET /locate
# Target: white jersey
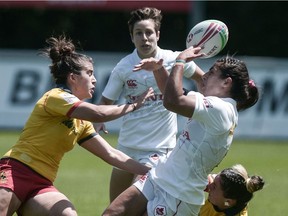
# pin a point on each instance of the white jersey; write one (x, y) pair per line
(152, 127)
(201, 146)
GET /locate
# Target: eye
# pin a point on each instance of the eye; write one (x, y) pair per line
(138, 33)
(148, 33)
(90, 73)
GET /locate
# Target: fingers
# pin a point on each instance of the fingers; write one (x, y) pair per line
(191, 53)
(100, 127)
(150, 64)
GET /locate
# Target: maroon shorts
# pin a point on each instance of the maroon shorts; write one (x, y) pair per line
(22, 180)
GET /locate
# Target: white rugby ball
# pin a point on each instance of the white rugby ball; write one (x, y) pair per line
(211, 35)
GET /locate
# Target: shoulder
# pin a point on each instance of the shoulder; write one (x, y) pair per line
(167, 54)
(58, 94)
(127, 62)
(215, 110)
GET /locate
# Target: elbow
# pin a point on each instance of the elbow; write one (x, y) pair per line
(168, 104)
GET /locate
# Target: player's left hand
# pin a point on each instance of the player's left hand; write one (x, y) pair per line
(149, 64)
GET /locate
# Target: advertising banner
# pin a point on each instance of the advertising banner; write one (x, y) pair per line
(25, 77)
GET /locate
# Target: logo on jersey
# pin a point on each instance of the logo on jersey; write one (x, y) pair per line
(143, 178)
(131, 83)
(154, 157)
(160, 211)
(69, 123)
(69, 98)
(185, 134)
(207, 103)
(3, 177)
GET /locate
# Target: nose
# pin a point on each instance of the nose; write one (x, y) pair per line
(145, 37)
(93, 80)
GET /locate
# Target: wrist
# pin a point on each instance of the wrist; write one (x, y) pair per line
(158, 69)
(134, 107)
(179, 62)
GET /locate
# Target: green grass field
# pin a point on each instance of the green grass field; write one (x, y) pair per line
(85, 178)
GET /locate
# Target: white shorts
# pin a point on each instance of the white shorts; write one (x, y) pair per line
(160, 203)
(149, 158)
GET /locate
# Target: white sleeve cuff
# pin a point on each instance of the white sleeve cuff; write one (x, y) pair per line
(189, 69)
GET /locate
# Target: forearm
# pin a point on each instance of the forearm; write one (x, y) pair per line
(124, 162)
(161, 76)
(174, 86)
(102, 149)
(198, 77)
(101, 113)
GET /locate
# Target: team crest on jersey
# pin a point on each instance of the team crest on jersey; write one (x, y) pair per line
(143, 178)
(160, 210)
(154, 157)
(207, 103)
(131, 83)
(3, 177)
(186, 135)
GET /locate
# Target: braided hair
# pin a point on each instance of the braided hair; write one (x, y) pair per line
(237, 185)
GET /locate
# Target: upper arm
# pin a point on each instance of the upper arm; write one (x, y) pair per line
(184, 105)
(89, 112)
(114, 86)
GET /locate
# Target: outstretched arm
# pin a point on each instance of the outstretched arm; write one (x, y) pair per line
(174, 100)
(101, 148)
(104, 113)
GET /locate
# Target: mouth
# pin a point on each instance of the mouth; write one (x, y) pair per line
(145, 46)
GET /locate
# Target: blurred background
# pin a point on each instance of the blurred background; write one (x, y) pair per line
(257, 28)
(257, 34)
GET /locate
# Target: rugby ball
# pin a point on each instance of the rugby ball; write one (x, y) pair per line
(211, 35)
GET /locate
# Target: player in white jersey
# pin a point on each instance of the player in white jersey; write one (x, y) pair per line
(148, 133)
(176, 185)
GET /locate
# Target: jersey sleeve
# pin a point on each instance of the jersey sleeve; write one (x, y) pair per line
(115, 85)
(60, 103)
(189, 69)
(213, 112)
(88, 133)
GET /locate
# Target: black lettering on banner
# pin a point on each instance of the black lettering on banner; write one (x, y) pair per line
(272, 101)
(25, 88)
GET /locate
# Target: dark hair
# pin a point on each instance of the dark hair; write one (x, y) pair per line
(244, 90)
(144, 14)
(236, 184)
(65, 59)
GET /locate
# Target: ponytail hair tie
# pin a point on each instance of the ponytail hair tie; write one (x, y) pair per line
(251, 83)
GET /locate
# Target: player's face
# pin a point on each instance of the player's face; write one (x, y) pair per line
(216, 196)
(85, 82)
(213, 83)
(145, 38)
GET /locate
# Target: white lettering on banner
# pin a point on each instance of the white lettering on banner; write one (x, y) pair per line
(25, 77)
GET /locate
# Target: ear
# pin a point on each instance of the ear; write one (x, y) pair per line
(158, 35)
(71, 77)
(228, 80)
(229, 203)
(132, 39)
